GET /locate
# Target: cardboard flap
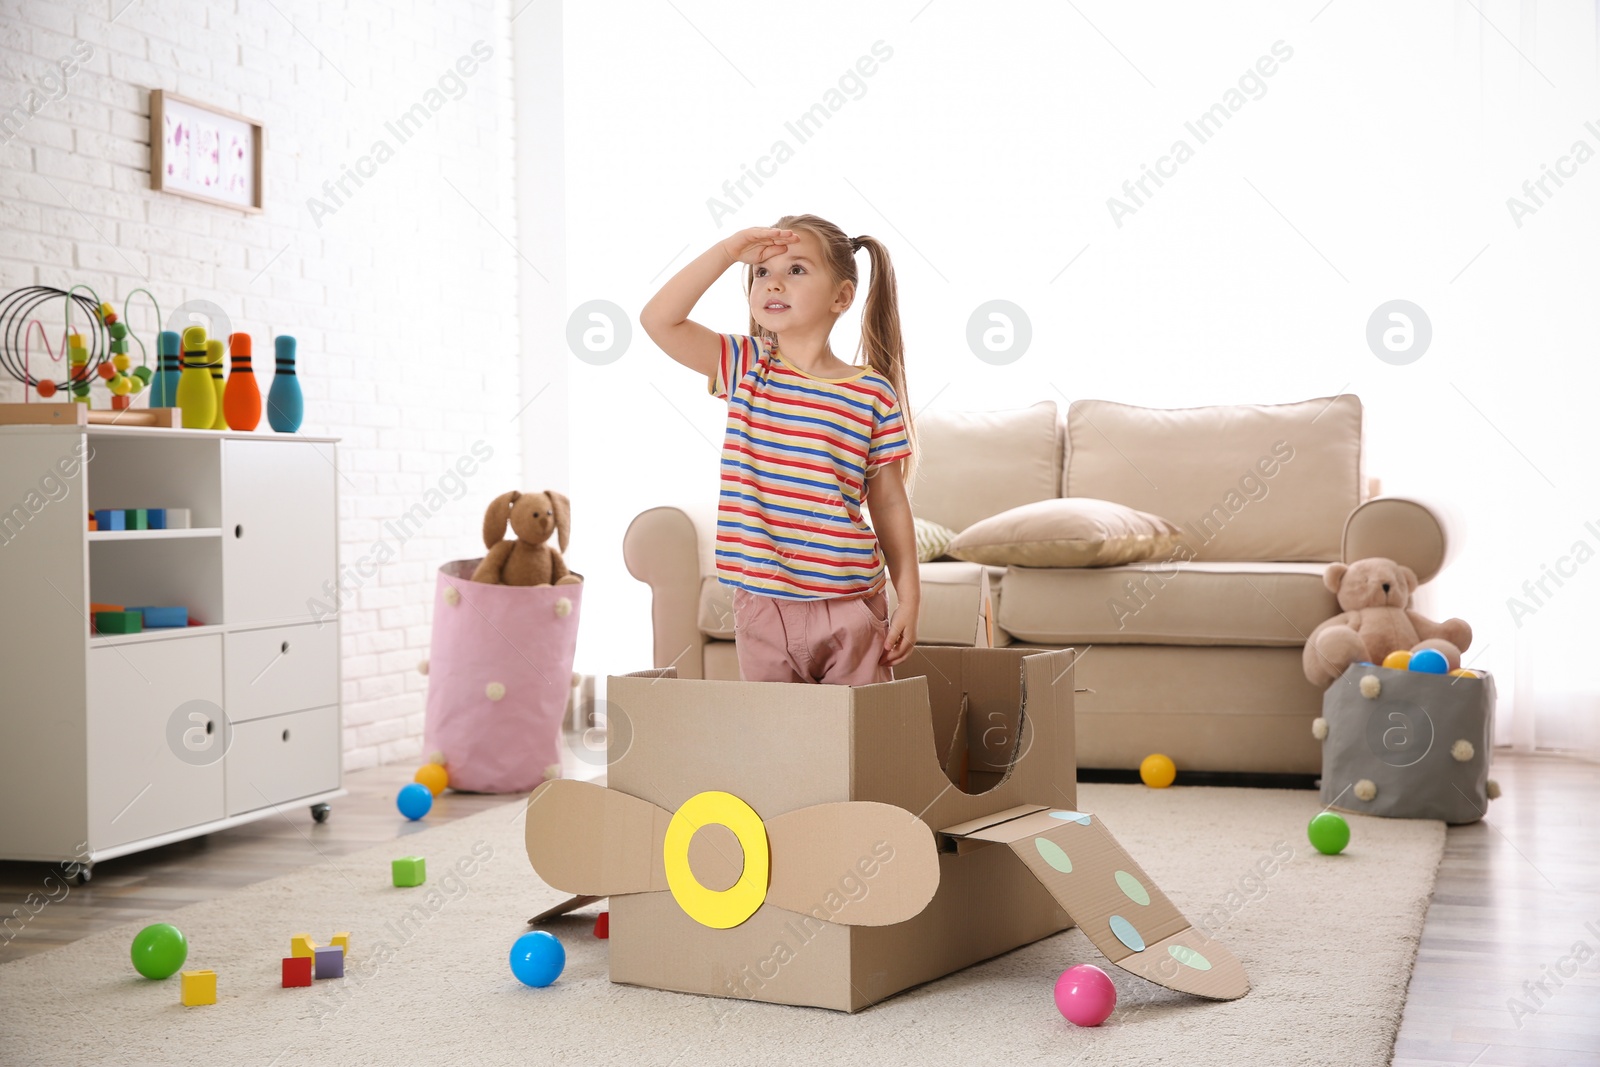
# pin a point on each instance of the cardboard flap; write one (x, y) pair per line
(584, 838)
(570, 904)
(823, 857)
(1116, 904)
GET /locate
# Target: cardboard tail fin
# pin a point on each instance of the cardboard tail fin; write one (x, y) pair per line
(1111, 899)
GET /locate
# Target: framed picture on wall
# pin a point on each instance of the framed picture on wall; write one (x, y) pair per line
(204, 152)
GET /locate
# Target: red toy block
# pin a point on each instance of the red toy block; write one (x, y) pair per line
(296, 971)
(602, 926)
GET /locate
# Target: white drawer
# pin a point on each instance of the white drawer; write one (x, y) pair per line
(145, 778)
(281, 669)
(280, 759)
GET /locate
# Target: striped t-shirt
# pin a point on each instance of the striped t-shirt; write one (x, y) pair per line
(794, 462)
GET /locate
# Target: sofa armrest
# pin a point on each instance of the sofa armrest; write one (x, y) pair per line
(672, 550)
(1402, 529)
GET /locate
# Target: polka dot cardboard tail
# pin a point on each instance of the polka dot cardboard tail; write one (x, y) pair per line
(1111, 899)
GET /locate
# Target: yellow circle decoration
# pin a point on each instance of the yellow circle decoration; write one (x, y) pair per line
(728, 908)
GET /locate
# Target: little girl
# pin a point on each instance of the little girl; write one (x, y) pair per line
(809, 440)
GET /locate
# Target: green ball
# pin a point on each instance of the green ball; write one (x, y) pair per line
(1329, 833)
(159, 950)
(118, 330)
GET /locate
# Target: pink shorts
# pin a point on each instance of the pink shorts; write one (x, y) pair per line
(836, 641)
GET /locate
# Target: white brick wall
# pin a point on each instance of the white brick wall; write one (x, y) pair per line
(403, 298)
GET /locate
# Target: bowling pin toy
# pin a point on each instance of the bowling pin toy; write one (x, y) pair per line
(242, 398)
(164, 388)
(214, 365)
(285, 405)
(196, 395)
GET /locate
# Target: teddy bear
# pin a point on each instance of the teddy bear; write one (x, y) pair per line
(527, 560)
(1374, 593)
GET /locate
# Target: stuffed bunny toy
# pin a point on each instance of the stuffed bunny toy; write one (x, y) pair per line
(526, 560)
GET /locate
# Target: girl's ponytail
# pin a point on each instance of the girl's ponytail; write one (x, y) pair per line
(880, 335)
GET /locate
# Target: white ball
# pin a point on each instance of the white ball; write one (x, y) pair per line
(494, 691)
(563, 608)
(437, 757)
(1494, 789)
(1319, 728)
(1366, 789)
(422, 667)
(1462, 750)
(1370, 686)
(452, 595)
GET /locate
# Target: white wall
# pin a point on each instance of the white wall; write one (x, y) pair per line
(403, 297)
(1375, 165)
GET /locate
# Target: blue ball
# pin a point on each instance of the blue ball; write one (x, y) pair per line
(414, 800)
(1429, 661)
(537, 958)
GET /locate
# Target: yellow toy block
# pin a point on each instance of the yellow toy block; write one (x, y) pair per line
(302, 945)
(199, 987)
(342, 939)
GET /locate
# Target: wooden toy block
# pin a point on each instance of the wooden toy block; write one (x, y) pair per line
(296, 971)
(75, 415)
(158, 518)
(177, 518)
(330, 962)
(199, 987)
(158, 618)
(410, 871)
(118, 622)
(302, 945)
(342, 939)
(111, 518)
(96, 607)
(93, 523)
(137, 519)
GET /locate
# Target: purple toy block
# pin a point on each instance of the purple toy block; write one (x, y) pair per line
(330, 961)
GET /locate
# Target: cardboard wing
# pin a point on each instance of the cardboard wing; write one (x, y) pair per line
(1109, 896)
(597, 842)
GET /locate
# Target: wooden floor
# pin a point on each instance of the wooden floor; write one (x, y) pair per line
(1517, 901)
(150, 885)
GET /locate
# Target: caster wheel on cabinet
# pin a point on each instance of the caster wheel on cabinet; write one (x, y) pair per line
(319, 812)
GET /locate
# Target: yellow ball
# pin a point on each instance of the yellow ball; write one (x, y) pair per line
(1462, 672)
(434, 777)
(1398, 660)
(121, 361)
(119, 385)
(1157, 771)
(135, 386)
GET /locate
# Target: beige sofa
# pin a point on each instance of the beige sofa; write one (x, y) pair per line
(1195, 654)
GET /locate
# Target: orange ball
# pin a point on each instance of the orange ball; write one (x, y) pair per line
(1462, 672)
(435, 777)
(1399, 660)
(106, 370)
(47, 388)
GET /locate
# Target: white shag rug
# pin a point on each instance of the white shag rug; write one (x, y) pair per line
(1328, 943)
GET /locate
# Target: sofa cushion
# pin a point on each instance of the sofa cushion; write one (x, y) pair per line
(974, 464)
(1076, 531)
(933, 539)
(1244, 482)
(1166, 602)
(948, 616)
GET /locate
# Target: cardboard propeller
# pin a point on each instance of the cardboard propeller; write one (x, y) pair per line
(597, 842)
(1110, 897)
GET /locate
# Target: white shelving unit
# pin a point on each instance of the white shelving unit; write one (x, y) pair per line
(117, 743)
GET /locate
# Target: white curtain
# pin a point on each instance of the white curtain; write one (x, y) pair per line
(1530, 71)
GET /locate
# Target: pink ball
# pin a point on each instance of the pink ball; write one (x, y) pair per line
(1085, 995)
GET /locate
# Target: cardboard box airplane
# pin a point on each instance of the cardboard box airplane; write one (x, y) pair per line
(833, 845)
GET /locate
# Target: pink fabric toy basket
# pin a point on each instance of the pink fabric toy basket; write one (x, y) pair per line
(499, 676)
